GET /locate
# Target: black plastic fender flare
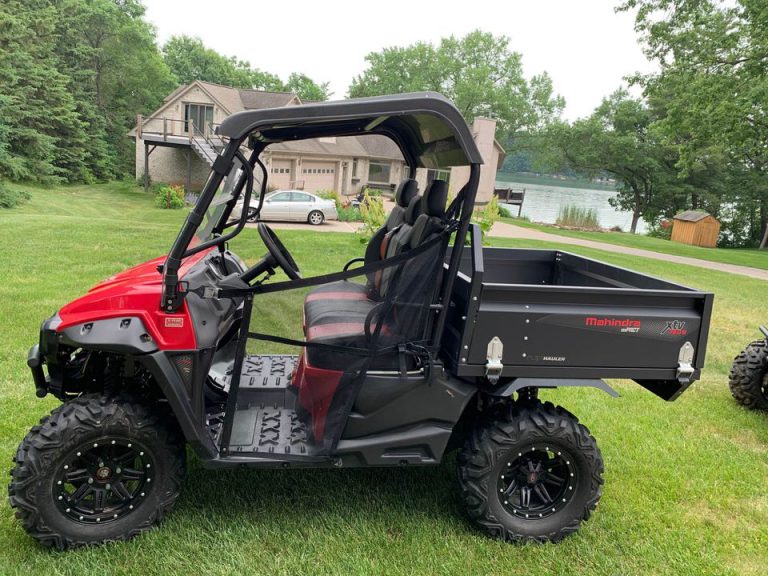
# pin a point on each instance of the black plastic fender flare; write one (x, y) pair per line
(510, 388)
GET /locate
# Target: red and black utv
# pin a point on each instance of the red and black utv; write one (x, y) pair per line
(429, 343)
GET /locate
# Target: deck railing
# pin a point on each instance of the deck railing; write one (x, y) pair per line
(165, 127)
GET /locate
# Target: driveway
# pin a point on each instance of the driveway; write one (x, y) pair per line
(504, 230)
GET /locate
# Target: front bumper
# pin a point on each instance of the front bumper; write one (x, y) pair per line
(45, 349)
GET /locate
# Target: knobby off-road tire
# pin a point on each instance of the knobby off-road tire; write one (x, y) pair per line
(87, 440)
(748, 378)
(530, 446)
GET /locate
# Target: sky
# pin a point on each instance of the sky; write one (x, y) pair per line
(583, 45)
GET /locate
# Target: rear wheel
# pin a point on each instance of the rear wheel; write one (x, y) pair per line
(748, 379)
(97, 469)
(535, 474)
(316, 217)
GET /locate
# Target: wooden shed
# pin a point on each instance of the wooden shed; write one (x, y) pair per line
(696, 228)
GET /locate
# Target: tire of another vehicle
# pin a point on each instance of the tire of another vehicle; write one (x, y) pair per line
(498, 446)
(251, 216)
(748, 379)
(72, 429)
(316, 217)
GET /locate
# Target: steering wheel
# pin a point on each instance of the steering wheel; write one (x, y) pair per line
(278, 253)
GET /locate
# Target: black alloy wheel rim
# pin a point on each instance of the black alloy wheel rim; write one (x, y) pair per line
(537, 481)
(103, 480)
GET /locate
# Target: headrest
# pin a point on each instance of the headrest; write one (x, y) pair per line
(435, 197)
(413, 210)
(406, 190)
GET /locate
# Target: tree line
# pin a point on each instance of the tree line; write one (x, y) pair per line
(698, 136)
(75, 73)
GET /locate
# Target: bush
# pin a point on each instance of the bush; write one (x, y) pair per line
(331, 195)
(170, 197)
(10, 198)
(349, 214)
(487, 217)
(660, 230)
(577, 217)
(372, 212)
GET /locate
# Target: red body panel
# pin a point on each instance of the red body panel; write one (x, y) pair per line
(317, 387)
(137, 292)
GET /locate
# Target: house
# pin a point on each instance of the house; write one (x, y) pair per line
(178, 144)
(696, 228)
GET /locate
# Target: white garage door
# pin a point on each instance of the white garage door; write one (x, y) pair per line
(318, 175)
(280, 174)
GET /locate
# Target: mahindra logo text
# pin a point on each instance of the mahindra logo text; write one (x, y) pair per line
(618, 322)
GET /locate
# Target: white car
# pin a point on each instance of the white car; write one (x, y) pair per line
(291, 205)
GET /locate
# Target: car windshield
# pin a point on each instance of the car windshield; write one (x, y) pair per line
(224, 195)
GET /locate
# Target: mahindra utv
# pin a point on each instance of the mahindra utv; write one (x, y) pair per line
(426, 344)
(748, 379)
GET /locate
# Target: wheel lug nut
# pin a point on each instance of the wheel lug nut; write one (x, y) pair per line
(90, 480)
(108, 486)
(118, 471)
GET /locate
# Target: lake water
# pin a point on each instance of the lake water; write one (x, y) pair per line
(543, 202)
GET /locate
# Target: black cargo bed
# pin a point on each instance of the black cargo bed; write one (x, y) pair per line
(560, 315)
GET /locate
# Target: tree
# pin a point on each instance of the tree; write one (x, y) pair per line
(713, 58)
(307, 89)
(115, 71)
(189, 60)
(619, 139)
(478, 72)
(42, 133)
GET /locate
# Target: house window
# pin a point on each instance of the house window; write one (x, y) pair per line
(199, 115)
(354, 168)
(438, 175)
(379, 171)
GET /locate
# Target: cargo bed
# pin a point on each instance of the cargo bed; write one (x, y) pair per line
(563, 316)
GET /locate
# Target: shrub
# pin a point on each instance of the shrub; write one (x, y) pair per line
(487, 217)
(660, 230)
(170, 197)
(616, 228)
(372, 213)
(349, 214)
(577, 217)
(330, 195)
(10, 198)
(504, 212)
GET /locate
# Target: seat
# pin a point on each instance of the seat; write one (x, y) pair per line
(406, 191)
(332, 306)
(342, 321)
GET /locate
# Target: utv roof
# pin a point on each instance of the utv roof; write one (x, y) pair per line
(427, 127)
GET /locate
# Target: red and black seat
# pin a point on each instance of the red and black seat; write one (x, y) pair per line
(341, 320)
(374, 251)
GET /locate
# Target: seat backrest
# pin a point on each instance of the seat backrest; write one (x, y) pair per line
(405, 192)
(426, 219)
(431, 220)
(395, 241)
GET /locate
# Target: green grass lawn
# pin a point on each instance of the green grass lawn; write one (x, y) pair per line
(739, 256)
(685, 485)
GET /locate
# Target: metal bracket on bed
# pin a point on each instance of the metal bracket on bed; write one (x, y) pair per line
(685, 367)
(493, 366)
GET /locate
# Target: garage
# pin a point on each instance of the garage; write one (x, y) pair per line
(318, 175)
(280, 174)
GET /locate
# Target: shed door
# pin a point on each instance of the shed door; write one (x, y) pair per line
(318, 176)
(280, 174)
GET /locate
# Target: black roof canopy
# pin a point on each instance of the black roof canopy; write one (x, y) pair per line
(427, 127)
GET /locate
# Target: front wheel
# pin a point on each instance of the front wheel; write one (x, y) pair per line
(748, 379)
(316, 218)
(533, 475)
(98, 469)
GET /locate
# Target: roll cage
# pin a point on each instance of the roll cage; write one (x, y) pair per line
(427, 128)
